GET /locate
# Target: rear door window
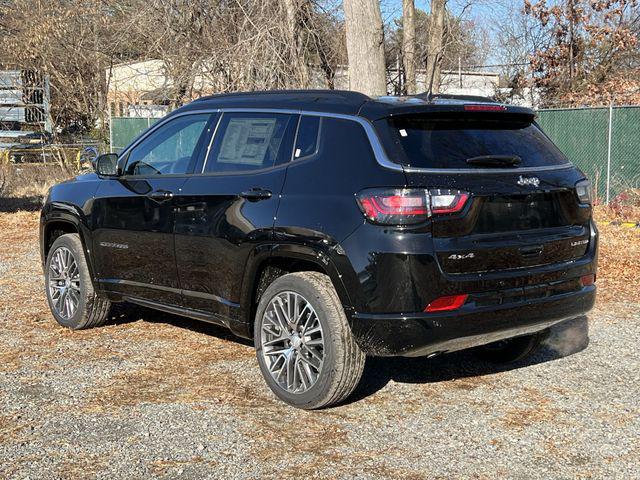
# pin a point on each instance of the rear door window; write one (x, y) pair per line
(251, 141)
(429, 142)
(307, 138)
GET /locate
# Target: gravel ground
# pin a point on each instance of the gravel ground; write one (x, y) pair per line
(156, 396)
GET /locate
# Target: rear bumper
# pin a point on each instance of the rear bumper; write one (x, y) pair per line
(421, 334)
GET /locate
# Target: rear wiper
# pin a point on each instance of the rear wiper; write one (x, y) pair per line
(495, 161)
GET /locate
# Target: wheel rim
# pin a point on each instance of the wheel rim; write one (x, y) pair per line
(64, 283)
(292, 342)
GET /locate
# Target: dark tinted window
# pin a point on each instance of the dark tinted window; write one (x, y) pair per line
(307, 139)
(251, 141)
(429, 142)
(171, 149)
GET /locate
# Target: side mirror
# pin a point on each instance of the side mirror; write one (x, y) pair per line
(107, 165)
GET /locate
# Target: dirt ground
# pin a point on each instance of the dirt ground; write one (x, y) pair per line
(155, 396)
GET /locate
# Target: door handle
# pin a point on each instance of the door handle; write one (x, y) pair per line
(160, 195)
(256, 194)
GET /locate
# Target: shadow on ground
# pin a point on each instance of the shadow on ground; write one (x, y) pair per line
(127, 313)
(564, 339)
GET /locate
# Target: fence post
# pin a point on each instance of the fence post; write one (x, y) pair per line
(609, 151)
(110, 129)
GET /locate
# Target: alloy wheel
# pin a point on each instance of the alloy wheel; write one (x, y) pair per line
(64, 282)
(292, 342)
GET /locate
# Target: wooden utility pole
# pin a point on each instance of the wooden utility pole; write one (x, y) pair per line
(365, 46)
(409, 44)
(436, 34)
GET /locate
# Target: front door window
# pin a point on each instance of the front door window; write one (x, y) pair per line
(171, 149)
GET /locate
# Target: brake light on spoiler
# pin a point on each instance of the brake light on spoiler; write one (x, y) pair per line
(409, 206)
(484, 108)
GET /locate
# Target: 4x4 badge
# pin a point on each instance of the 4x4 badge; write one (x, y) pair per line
(457, 256)
(531, 181)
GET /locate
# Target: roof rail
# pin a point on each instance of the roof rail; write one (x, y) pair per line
(446, 96)
(346, 94)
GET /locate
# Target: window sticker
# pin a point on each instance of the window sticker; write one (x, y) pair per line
(246, 140)
(403, 132)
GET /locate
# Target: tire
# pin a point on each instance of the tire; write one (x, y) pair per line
(328, 381)
(512, 349)
(91, 310)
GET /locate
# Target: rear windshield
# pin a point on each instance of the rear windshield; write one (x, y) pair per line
(428, 142)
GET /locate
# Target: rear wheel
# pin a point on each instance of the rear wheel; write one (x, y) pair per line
(512, 349)
(72, 300)
(304, 344)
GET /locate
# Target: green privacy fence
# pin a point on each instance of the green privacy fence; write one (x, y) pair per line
(603, 142)
(125, 129)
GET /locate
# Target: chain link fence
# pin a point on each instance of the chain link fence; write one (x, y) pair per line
(602, 142)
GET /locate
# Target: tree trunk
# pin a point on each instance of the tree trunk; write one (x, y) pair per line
(436, 33)
(295, 11)
(571, 17)
(365, 46)
(409, 44)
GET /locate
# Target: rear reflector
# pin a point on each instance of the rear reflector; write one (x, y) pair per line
(446, 304)
(587, 280)
(485, 108)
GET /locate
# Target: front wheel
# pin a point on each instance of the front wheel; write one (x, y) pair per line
(70, 294)
(304, 345)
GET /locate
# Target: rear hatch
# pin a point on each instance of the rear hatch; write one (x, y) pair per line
(522, 210)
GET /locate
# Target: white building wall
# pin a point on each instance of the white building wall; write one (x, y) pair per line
(129, 82)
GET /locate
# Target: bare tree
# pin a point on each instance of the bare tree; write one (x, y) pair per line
(409, 44)
(365, 46)
(434, 56)
(73, 42)
(464, 45)
(297, 14)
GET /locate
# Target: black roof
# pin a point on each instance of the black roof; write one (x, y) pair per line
(344, 102)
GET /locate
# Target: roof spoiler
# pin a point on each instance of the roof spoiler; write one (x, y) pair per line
(465, 98)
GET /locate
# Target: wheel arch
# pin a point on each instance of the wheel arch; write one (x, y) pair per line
(57, 221)
(267, 265)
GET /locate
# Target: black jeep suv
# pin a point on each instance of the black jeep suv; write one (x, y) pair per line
(327, 226)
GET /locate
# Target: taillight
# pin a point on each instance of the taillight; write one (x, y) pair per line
(583, 191)
(408, 206)
(447, 304)
(447, 201)
(394, 207)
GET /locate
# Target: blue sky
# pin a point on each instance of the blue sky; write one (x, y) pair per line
(479, 8)
(482, 11)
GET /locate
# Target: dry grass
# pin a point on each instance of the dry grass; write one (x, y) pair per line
(619, 259)
(82, 467)
(188, 374)
(23, 186)
(538, 409)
